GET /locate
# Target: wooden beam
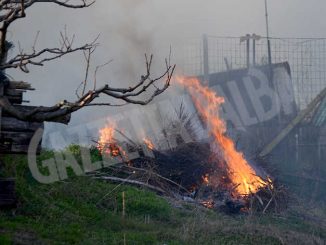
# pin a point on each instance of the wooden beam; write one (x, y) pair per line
(15, 99)
(14, 92)
(17, 137)
(280, 137)
(15, 125)
(23, 149)
(9, 148)
(7, 193)
(1, 93)
(20, 85)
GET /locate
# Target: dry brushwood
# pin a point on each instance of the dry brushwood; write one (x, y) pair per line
(131, 182)
(11, 10)
(271, 198)
(141, 177)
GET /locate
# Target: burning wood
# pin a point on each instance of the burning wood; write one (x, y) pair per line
(108, 145)
(208, 104)
(149, 143)
(213, 174)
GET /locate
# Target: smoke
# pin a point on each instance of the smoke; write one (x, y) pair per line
(131, 36)
(130, 28)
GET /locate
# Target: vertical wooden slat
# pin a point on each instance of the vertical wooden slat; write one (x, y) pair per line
(7, 193)
(1, 93)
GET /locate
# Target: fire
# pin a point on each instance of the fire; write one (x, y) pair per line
(208, 204)
(208, 104)
(106, 139)
(205, 179)
(148, 143)
(107, 143)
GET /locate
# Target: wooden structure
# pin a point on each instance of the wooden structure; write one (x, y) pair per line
(293, 124)
(7, 193)
(15, 135)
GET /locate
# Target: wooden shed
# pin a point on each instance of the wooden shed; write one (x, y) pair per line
(15, 135)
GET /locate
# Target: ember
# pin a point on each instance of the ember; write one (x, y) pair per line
(208, 104)
(208, 204)
(206, 179)
(149, 143)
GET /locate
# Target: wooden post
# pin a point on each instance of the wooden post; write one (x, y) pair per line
(1, 94)
(7, 193)
(293, 124)
(124, 215)
(123, 205)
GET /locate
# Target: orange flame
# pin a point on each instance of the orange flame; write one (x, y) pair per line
(148, 143)
(205, 179)
(106, 138)
(107, 143)
(208, 204)
(208, 104)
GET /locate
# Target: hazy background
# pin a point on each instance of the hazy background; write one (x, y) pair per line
(129, 28)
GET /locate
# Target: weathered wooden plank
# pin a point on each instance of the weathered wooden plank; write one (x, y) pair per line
(15, 125)
(15, 99)
(17, 137)
(293, 124)
(5, 145)
(1, 93)
(23, 149)
(7, 193)
(1, 88)
(17, 149)
(14, 92)
(20, 85)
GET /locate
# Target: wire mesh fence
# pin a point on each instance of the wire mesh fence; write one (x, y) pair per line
(306, 56)
(302, 167)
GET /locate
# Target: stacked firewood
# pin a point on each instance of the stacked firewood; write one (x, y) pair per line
(15, 135)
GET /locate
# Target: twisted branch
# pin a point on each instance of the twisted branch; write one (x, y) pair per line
(11, 10)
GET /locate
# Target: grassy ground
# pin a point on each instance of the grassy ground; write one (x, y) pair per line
(81, 210)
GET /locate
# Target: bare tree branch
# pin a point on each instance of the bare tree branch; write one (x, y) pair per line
(129, 96)
(11, 10)
(36, 58)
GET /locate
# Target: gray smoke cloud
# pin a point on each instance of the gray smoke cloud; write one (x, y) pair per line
(130, 28)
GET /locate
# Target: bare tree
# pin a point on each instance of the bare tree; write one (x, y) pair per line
(11, 10)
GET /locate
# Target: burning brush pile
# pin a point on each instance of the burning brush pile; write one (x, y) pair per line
(212, 173)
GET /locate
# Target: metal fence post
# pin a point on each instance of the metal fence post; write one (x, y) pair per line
(205, 59)
(254, 52)
(248, 51)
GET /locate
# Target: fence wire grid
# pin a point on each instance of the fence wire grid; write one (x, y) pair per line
(306, 56)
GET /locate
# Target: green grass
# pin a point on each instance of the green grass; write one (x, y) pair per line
(82, 210)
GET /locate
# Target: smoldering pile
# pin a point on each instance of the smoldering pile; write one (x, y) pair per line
(189, 173)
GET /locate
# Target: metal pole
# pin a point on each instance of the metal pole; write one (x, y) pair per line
(254, 52)
(267, 34)
(206, 59)
(267, 22)
(269, 52)
(248, 52)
